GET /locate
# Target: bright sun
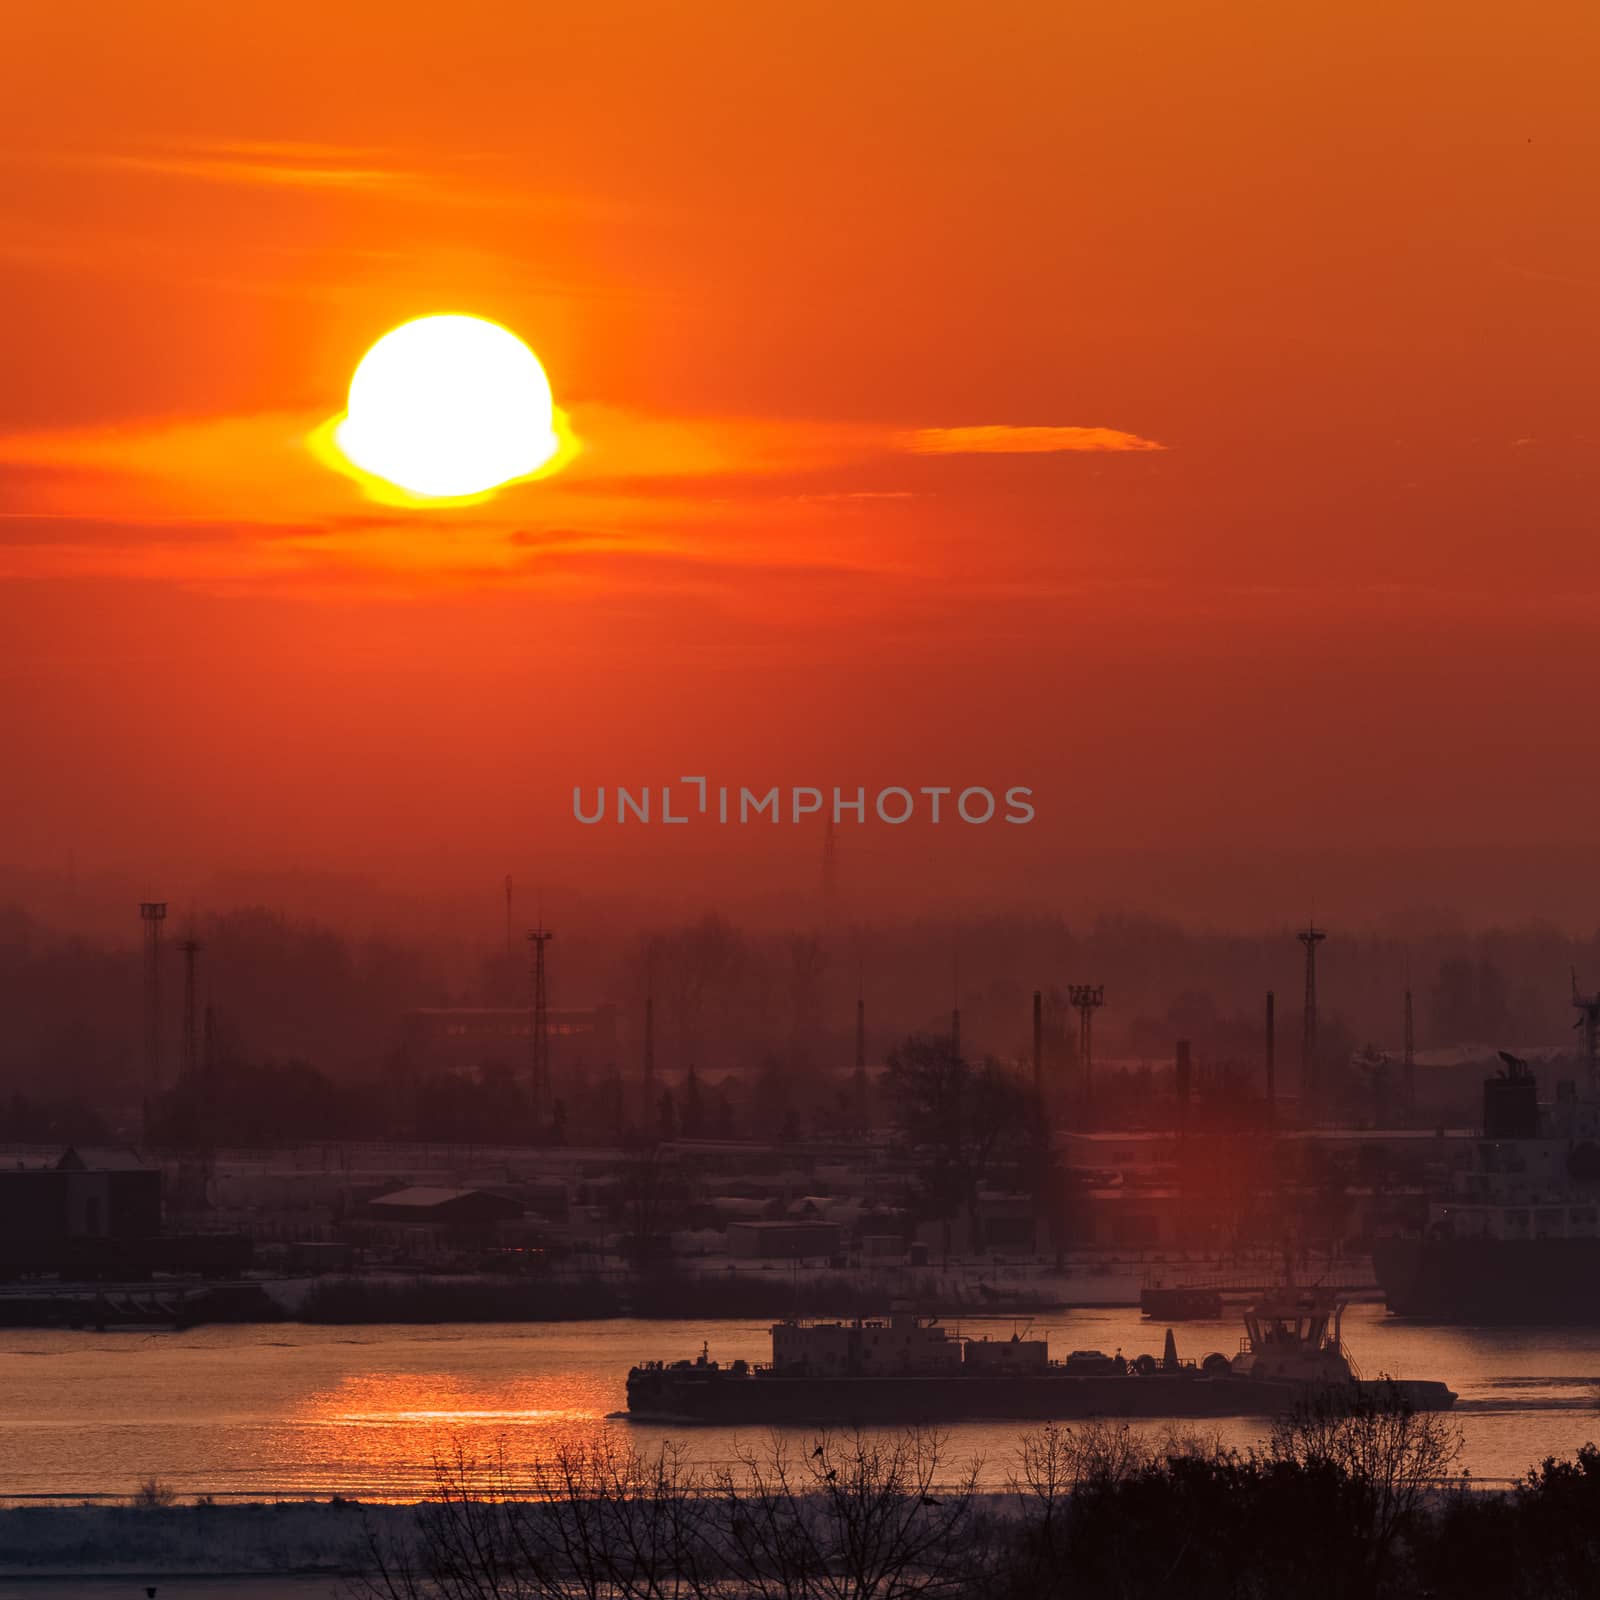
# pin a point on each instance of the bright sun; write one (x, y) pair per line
(449, 406)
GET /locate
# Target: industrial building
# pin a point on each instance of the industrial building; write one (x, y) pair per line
(75, 1210)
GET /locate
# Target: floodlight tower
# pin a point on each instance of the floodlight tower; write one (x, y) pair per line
(539, 1029)
(152, 913)
(1310, 936)
(1086, 999)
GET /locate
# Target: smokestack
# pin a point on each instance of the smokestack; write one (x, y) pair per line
(858, 1080)
(152, 914)
(1182, 1076)
(191, 1035)
(955, 1002)
(1038, 1047)
(1272, 1058)
(649, 1055)
(830, 875)
(1310, 1086)
(1410, 1059)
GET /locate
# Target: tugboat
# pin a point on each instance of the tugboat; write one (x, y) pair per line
(909, 1369)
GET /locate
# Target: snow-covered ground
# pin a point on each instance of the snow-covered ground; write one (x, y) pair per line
(301, 1538)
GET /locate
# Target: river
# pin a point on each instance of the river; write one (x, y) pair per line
(299, 1411)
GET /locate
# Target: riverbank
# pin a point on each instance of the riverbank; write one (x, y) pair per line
(666, 1296)
(381, 1297)
(696, 1287)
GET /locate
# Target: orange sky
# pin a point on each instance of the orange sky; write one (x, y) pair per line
(797, 274)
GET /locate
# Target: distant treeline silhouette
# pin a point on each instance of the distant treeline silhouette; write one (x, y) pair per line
(296, 997)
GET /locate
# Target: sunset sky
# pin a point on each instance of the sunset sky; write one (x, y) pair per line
(1186, 410)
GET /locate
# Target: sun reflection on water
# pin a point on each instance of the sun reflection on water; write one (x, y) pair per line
(392, 1428)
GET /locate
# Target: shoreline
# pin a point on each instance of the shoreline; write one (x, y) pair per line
(379, 1298)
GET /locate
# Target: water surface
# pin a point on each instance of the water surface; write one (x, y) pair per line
(301, 1411)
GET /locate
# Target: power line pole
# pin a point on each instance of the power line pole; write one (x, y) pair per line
(955, 1003)
(191, 949)
(1038, 1048)
(539, 1031)
(152, 914)
(1410, 1048)
(1272, 1058)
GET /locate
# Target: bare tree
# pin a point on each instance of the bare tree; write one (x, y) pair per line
(1398, 1456)
(860, 1517)
(596, 1521)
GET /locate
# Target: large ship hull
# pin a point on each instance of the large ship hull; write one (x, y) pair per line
(1491, 1280)
(718, 1396)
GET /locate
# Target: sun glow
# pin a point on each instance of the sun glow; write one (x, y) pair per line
(446, 408)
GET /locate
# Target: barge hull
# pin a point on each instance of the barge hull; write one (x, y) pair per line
(718, 1398)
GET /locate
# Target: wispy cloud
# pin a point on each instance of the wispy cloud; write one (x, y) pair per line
(1003, 439)
(244, 501)
(269, 163)
(379, 171)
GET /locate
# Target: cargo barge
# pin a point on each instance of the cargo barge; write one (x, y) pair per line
(908, 1369)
